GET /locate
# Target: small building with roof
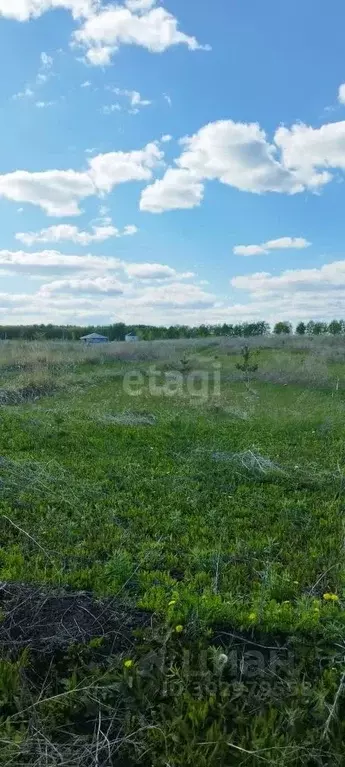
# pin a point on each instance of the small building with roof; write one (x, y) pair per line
(130, 337)
(94, 338)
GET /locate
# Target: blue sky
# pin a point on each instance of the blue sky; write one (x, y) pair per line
(170, 162)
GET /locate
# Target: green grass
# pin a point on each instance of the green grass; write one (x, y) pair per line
(223, 517)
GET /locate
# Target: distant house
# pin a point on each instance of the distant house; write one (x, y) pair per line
(94, 338)
(130, 337)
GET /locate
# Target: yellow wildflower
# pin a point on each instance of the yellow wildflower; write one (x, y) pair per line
(331, 597)
(128, 663)
(179, 629)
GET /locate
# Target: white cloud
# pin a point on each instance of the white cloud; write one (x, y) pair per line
(53, 261)
(129, 230)
(307, 150)
(153, 272)
(59, 192)
(44, 104)
(69, 233)
(134, 98)
(23, 10)
(108, 285)
(140, 5)
(316, 293)
(177, 189)
(286, 243)
(75, 300)
(239, 155)
(45, 69)
(328, 276)
(44, 73)
(109, 109)
(249, 250)
(113, 168)
(86, 84)
(99, 56)
(283, 243)
(152, 28)
(90, 268)
(46, 60)
(175, 294)
(236, 154)
(341, 94)
(27, 93)
(166, 138)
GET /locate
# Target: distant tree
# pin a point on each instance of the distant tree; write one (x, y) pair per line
(282, 328)
(319, 328)
(301, 328)
(310, 328)
(335, 327)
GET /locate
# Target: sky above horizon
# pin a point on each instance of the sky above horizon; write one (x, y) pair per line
(174, 162)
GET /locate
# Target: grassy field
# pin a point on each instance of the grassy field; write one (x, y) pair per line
(172, 554)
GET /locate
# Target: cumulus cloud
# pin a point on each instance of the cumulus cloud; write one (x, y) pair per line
(327, 276)
(99, 56)
(88, 267)
(283, 243)
(137, 23)
(103, 299)
(53, 261)
(107, 285)
(237, 154)
(177, 189)
(176, 294)
(154, 272)
(67, 232)
(306, 150)
(59, 192)
(23, 10)
(240, 155)
(294, 294)
(341, 94)
(113, 168)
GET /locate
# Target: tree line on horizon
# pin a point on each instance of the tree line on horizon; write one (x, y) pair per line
(118, 331)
